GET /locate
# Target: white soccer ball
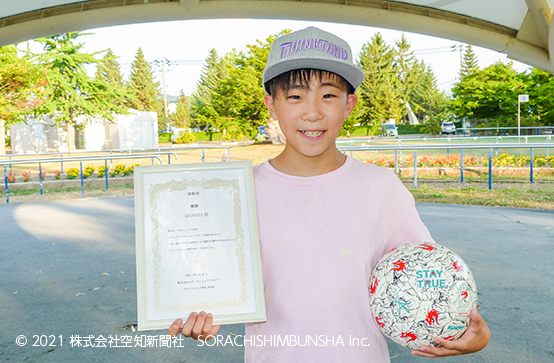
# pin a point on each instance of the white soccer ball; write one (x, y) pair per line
(420, 291)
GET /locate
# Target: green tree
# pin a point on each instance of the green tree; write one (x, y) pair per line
(489, 94)
(144, 89)
(540, 86)
(430, 103)
(109, 70)
(204, 106)
(21, 88)
(181, 117)
(409, 71)
(470, 64)
(70, 91)
(379, 96)
(242, 88)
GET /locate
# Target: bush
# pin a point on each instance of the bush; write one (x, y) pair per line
(164, 138)
(185, 139)
(411, 129)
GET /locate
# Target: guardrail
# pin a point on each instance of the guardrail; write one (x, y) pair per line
(461, 147)
(41, 161)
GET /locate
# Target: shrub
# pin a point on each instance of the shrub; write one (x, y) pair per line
(11, 177)
(57, 174)
(164, 138)
(186, 138)
(26, 176)
(42, 175)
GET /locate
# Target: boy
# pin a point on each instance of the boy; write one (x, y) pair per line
(324, 218)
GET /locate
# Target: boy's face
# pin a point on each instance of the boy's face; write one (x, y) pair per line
(311, 117)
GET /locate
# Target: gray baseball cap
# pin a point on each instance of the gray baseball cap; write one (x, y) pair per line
(312, 48)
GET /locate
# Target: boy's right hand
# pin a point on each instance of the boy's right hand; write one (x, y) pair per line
(198, 326)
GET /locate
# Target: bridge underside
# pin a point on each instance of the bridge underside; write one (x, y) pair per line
(531, 42)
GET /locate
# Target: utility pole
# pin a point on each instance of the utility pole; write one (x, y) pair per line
(459, 47)
(166, 117)
(165, 97)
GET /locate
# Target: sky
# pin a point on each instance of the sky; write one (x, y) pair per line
(185, 44)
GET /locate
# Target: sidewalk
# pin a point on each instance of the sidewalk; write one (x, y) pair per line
(68, 270)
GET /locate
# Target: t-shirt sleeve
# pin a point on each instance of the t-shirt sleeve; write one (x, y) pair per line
(408, 227)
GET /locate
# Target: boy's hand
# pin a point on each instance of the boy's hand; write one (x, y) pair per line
(475, 338)
(197, 326)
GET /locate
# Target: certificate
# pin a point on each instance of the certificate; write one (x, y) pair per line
(197, 244)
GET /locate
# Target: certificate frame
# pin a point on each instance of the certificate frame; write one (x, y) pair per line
(172, 183)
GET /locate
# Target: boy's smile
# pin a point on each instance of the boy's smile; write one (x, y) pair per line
(311, 117)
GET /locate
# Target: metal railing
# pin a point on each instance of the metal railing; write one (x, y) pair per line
(497, 139)
(41, 161)
(468, 130)
(63, 158)
(163, 150)
(461, 147)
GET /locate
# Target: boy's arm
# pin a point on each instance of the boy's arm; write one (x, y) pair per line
(197, 326)
(475, 338)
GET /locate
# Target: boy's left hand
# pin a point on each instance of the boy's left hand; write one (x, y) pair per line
(475, 338)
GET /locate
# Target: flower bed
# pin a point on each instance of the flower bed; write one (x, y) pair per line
(74, 173)
(453, 161)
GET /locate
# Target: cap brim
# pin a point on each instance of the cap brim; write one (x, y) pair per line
(351, 73)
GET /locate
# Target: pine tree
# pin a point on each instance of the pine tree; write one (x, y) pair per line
(70, 91)
(145, 91)
(204, 106)
(470, 65)
(109, 69)
(409, 72)
(182, 113)
(379, 95)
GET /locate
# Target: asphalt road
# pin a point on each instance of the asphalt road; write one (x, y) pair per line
(68, 274)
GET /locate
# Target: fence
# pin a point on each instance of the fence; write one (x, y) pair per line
(475, 130)
(80, 159)
(461, 147)
(129, 154)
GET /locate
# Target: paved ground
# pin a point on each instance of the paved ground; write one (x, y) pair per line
(68, 269)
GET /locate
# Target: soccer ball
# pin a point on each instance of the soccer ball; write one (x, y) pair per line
(420, 291)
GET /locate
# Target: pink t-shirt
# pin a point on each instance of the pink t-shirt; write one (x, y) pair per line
(320, 237)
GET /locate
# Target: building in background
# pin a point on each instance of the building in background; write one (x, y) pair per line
(137, 130)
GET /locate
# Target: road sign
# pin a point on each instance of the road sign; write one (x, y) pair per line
(523, 98)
